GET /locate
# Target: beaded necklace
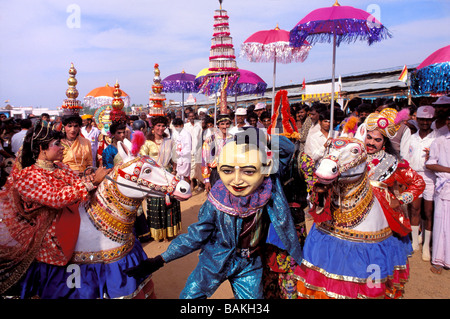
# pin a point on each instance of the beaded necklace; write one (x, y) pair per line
(352, 208)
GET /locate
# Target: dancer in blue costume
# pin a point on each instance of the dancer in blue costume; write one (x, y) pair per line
(233, 223)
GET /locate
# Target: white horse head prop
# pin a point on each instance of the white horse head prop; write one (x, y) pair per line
(345, 159)
(146, 178)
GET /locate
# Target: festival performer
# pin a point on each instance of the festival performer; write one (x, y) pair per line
(387, 171)
(40, 221)
(92, 133)
(163, 214)
(77, 149)
(117, 131)
(232, 225)
(211, 149)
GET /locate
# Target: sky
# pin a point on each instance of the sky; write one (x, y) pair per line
(114, 40)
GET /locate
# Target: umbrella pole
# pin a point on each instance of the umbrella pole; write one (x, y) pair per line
(274, 75)
(235, 109)
(182, 105)
(333, 66)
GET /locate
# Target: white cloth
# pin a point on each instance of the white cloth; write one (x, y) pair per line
(92, 136)
(440, 154)
(315, 145)
(415, 146)
(183, 147)
(17, 141)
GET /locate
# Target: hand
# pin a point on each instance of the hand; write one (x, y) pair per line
(207, 187)
(100, 174)
(145, 268)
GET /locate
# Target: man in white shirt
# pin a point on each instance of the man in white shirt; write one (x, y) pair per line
(195, 130)
(315, 142)
(183, 149)
(17, 139)
(439, 163)
(418, 149)
(92, 133)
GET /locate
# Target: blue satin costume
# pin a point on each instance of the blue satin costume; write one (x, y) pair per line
(217, 233)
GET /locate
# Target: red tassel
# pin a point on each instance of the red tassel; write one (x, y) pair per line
(136, 142)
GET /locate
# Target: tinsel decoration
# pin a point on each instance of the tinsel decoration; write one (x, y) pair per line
(213, 83)
(434, 78)
(347, 31)
(281, 51)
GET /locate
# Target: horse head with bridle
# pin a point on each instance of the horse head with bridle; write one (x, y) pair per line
(343, 170)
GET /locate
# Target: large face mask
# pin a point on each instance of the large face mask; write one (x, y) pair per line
(241, 169)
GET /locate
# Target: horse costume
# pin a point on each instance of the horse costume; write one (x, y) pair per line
(101, 230)
(351, 250)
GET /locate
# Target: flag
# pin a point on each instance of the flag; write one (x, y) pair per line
(404, 75)
(304, 84)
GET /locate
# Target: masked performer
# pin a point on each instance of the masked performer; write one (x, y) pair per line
(232, 226)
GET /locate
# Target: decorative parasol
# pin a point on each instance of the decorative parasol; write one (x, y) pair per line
(248, 82)
(104, 95)
(433, 74)
(273, 46)
(179, 82)
(338, 24)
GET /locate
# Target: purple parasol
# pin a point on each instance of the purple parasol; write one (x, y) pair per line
(179, 82)
(248, 82)
(338, 24)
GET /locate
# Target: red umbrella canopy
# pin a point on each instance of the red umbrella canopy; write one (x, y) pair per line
(268, 45)
(439, 56)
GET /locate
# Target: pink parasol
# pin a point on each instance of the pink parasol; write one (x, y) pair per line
(273, 45)
(433, 74)
(338, 24)
(439, 56)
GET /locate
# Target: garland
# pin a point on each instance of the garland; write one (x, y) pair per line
(289, 127)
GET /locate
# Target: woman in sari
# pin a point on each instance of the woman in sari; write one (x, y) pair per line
(39, 214)
(163, 214)
(77, 149)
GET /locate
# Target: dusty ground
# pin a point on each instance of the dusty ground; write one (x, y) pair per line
(170, 280)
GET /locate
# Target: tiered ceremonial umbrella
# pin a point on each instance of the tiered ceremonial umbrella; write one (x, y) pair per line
(273, 46)
(179, 82)
(104, 95)
(433, 74)
(337, 24)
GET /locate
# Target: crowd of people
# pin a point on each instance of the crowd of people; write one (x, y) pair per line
(417, 153)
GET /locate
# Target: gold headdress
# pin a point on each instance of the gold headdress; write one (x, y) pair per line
(384, 122)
